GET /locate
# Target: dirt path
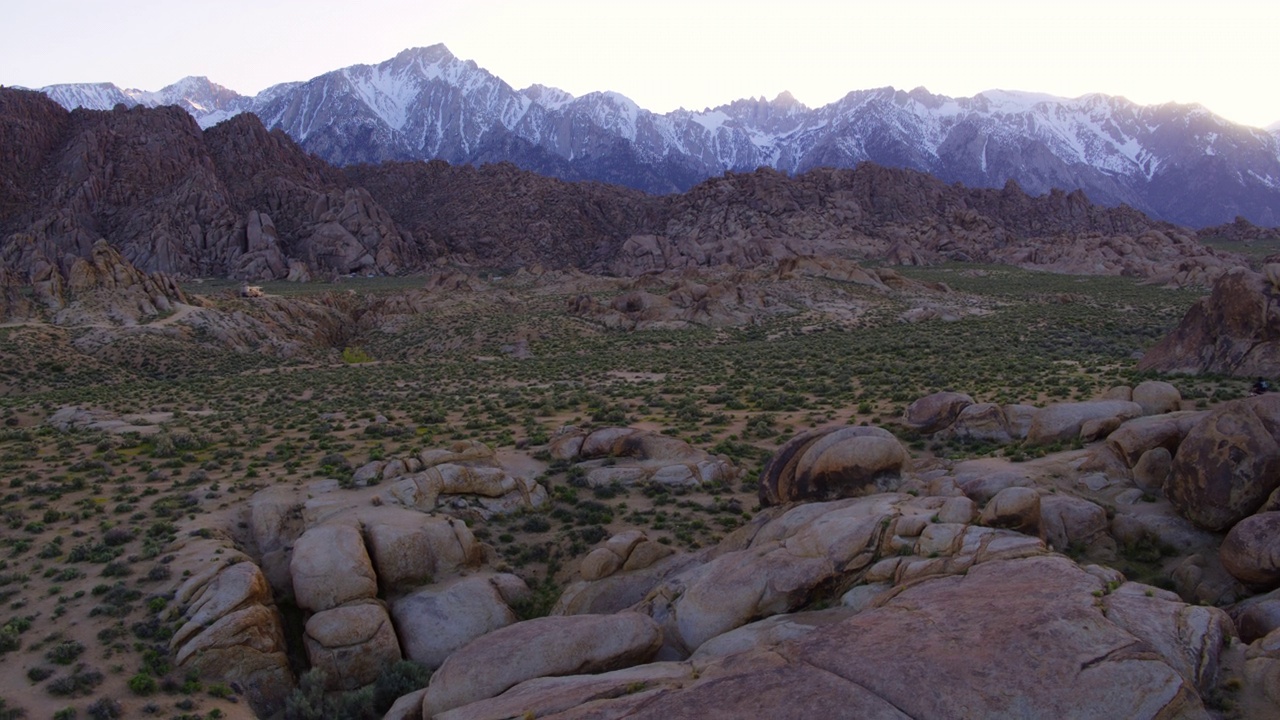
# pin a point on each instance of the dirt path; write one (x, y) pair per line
(181, 312)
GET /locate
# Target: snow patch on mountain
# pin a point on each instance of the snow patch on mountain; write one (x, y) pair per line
(548, 97)
(426, 103)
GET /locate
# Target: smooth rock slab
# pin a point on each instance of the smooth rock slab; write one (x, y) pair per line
(1020, 638)
(438, 619)
(541, 647)
(1028, 638)
(1064, 422)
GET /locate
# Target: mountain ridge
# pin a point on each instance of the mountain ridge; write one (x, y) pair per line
(425, 103)
(148, 191)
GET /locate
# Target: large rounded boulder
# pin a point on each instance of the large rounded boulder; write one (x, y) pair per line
(1228, 464)
(1251, 551)
(935, 412)
(832, 463)
(982, 422)
(1157, 397)
(330, 567)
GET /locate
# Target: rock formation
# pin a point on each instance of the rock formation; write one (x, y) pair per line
(1228, 464)
(230, 627)
(239, 201)
(1235, 330)
(234, 201)
(831, 463)
(627, 456)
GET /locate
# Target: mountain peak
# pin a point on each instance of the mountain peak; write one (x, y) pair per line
(787, 100)
(430, 54)
(552, 98)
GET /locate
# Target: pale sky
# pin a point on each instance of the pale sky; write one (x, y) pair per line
(664, 54)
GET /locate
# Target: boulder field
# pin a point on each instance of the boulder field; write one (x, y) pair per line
(886, 586)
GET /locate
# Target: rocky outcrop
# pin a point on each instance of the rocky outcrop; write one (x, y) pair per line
(1228, 464)
(688, 300)
(1235, 330)
(1240, 230)
(229, 627)
(629, 456)
(627, 551)
(831, 463)
(466, 476)
(1027, 621)
(233, 201)
(351, 644)
(1251, 550)
(237, 200)
(377, 579)
(932, 413)
(1067, 422)
(1134, 438)
(450, 210)
(330, 567)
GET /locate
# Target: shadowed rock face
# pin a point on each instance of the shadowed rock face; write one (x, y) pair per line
(1251, 551)
(832, 463)
(932, 413)
(1233, 331)
(235, 201)
(1228, 464)
(239, 201)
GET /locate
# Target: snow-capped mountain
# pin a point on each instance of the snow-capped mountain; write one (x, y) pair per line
(1178, 162)
(208, 102)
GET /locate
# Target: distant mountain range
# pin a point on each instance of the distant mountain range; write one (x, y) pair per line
(1180, 163)
(93, 199)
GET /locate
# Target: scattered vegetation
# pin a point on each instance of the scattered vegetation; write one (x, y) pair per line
(88, 516)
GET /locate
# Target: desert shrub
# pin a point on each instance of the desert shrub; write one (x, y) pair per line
(308, 701)
(538, 603)
(117, 536)
(104, 709)
(9, 640)
(399, 679)
(64, 653)
(536, 524)
(11, 713)
(142, 684)
(355, 356)
(81, 681)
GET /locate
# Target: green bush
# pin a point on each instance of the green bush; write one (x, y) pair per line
(400, 679)
(64, 653)
(142, 684)
(355, 356)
